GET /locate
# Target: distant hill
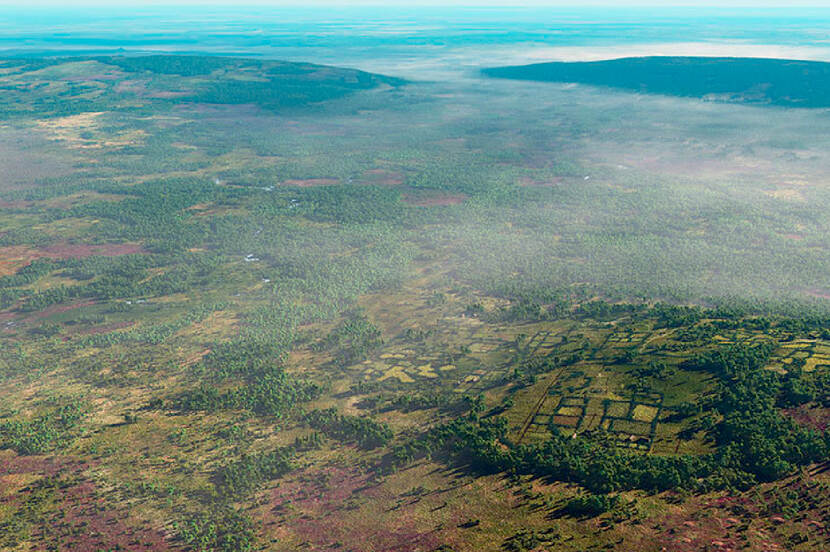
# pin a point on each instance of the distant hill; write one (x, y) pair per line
(65, 86)
(271, 84)
(780, 82)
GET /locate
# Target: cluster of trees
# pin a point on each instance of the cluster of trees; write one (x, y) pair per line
(249, 471)
(590, 504)
(152, 334)
(364, 431)
(274, 393)
(255, 364)
(526, 310)
(224, 530)
(242, 357)
(44, 433)
(352, 340)
(283, 85)
(753, 435)
(527, 540)
(155, 211)
(125, 277)
(29, 273)
(454, 173)
(23, 277)
(350, 204)
(185, 66)
(656, 369)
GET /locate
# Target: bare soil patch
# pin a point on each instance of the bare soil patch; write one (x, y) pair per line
(79, 251)
(57, 309)
(383, 177)
(14, 257)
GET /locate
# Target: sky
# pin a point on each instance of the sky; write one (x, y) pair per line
(435, 3)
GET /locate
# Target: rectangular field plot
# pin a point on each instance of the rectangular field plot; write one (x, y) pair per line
(545, 342)
(617, 409)
(626, 338)
(566, 421)
(634, 421)
(565, 412)
(631, 427)
(573, 411)
(808, 353)
(645, 413)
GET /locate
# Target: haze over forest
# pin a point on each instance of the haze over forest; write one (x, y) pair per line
(420, 279)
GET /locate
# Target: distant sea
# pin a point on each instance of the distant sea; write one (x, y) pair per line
(423, 43)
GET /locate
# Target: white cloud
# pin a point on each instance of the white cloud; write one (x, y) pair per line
(719, 49)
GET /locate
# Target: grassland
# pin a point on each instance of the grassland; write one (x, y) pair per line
(255, 325)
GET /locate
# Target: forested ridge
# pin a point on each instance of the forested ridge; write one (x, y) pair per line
(781, 82)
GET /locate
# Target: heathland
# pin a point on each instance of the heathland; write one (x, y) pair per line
(260, 305)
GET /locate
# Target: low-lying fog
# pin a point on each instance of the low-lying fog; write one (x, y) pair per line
(644, 196)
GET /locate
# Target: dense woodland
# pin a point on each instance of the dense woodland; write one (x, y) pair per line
(782, 82)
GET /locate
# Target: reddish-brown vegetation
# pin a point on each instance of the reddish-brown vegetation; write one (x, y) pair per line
(14, 257)
(84, 522)
(79, 250)
(383, 177)
(759, 520)
(57, 309)
(323, 498)
(79, 516)
(49, 466)
(815, 417)
(818, 293)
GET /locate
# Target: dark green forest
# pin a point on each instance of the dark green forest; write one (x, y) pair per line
(780, 82)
